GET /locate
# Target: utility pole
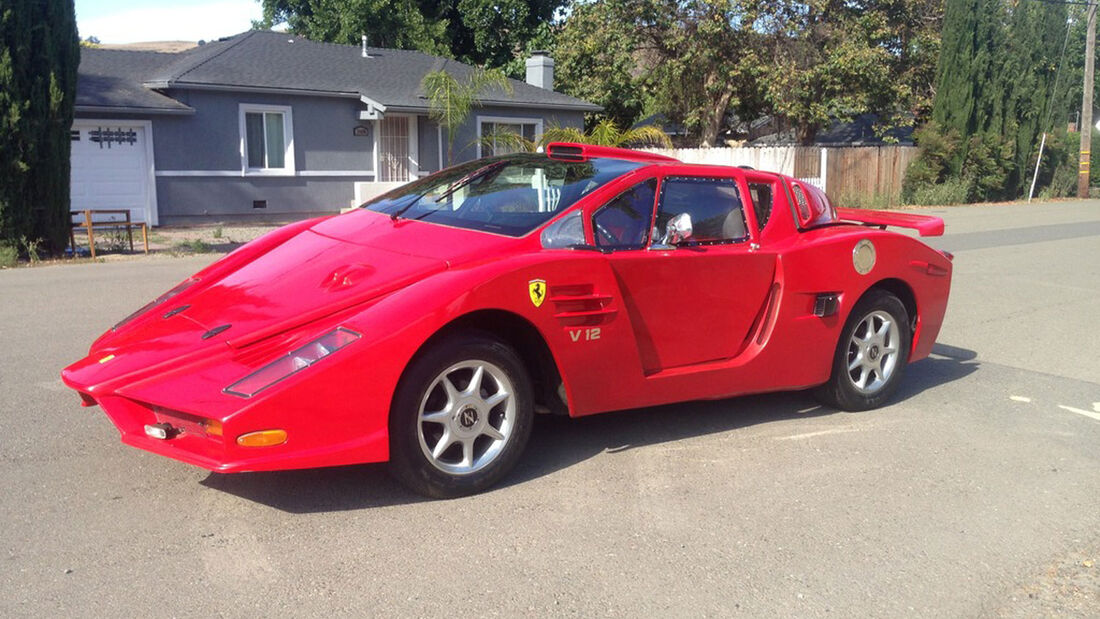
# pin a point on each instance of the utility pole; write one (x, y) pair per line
(1086, 106)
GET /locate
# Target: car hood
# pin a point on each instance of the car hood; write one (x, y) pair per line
(307, 277)
(319, 271)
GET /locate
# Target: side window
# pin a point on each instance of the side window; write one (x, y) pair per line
(814, 207)
(761, 194)
(624, 222)
(803, 204)
(714, 205)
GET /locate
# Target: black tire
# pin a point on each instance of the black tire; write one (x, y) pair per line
(843, 390)
(422, 390)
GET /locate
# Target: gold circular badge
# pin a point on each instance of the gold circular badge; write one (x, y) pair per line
(863, 257)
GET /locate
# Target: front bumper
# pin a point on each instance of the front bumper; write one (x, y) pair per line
(322, 429)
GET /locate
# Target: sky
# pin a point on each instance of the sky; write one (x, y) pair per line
(131, 21)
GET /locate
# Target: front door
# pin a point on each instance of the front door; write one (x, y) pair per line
(696, 301)
(393, 149)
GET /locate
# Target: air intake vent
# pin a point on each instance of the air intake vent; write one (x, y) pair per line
(259, 204)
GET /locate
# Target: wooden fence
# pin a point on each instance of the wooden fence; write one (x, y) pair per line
(851, 175)
(867, 175)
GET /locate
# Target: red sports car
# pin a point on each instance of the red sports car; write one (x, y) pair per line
(428, 327)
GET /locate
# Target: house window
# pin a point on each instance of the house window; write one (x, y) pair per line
(494, 134)
(267, 139)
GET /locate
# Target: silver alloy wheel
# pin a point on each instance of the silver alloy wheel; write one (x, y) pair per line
(873, 352)
(466, 417)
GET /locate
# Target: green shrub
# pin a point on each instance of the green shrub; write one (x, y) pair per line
(197, 246)
(954, 191)
(987, 167)
(933, 164)
(949, 170)
(32, 249)
(9, 256)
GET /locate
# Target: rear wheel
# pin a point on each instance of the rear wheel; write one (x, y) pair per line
(871, 355)
(461, 417)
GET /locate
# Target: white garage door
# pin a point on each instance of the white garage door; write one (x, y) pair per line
(111, 168)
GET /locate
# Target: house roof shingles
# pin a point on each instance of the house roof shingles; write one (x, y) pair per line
(268, 60)
(109, 80)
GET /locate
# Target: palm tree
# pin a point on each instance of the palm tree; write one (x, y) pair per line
(450, 100)
(605, 133)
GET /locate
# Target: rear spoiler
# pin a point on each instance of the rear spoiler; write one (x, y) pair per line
(925, 225)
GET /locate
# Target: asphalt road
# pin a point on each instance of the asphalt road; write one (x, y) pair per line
(977, 493)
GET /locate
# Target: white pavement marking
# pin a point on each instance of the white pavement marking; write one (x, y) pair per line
(1096, 406)
(799, 437)
(1018, 398)
(1089, 414)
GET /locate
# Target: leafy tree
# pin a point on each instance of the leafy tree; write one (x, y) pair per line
(835, 59)
(39, 55)
(400, 24)
(450, 99)
(492, 33)
(688, 59)
(698, 62)
(598, 58)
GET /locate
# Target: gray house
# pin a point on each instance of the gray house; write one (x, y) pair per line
(270, 125)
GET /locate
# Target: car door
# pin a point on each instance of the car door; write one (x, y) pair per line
(694, 301)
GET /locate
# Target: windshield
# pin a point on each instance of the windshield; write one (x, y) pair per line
(510, 194)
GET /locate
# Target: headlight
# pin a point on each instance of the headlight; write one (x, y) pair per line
(292, 363)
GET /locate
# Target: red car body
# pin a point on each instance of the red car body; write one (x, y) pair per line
(608, 331)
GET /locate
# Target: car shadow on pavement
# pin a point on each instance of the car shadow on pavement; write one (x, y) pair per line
(946, 364)
(561, 442)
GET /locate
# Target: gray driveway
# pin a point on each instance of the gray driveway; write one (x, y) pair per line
(976, 494)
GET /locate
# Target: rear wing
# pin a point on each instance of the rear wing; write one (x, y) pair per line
(925, 225)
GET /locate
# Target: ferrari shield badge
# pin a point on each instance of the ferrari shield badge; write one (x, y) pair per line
(537, 289)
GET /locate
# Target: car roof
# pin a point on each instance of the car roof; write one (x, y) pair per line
(572, 151)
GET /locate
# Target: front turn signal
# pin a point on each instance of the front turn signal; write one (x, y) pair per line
(262, 438)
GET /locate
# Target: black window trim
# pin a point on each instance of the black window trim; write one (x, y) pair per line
(652, 217)
(727, 179)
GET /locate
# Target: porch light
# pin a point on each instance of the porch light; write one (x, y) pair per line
(292, 363)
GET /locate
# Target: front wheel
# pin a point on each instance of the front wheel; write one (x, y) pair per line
(871, 355)
(461, 417)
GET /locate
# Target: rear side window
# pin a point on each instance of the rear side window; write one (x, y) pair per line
(714, 205)
(803, 204)
(624, 222)
(761, 194)
(813, 206)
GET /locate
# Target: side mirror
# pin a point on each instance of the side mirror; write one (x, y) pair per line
(678, 230)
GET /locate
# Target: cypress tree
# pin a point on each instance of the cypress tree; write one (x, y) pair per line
(964, 76)
(1036, 34)
(995, 75)
(39, 55)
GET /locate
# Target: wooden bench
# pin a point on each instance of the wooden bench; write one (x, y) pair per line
(111, 220)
